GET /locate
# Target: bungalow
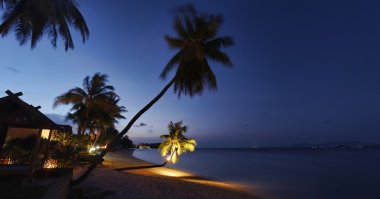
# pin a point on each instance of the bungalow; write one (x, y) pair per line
(19, 120)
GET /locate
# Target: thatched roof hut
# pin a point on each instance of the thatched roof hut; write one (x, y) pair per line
(19, 119)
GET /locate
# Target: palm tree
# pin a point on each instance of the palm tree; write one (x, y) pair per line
(108, 114)
(31, 19)
(175, 142)
(95, 107)
(197, 42)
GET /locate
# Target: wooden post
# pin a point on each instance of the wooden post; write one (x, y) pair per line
(46, 155)
(3, 136)
(35, 152)
(29, 180)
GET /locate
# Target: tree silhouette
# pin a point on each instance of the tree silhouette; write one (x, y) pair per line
(95, 106)
(197, 42)
(31, 19)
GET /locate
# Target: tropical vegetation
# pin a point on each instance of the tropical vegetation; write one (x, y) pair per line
(63, 150)
(175, 143)
(197, 42)
(31, 19)
(94, 107)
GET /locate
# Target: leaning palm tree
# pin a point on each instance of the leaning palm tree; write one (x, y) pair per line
(175, 142)
(197, 42)
(31, 19)
(95, 106)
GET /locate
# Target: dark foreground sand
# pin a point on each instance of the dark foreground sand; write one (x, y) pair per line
(153, 183)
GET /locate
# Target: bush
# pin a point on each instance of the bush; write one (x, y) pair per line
(19, 150)
(126, 143)
(64, 149)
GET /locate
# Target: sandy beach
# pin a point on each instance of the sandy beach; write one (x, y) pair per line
(152, 183)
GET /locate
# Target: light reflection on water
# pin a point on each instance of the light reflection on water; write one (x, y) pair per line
(288, 174)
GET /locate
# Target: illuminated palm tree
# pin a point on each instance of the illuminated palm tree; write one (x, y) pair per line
(95, 106)
(31, 19)
(175, 142)
(197, 42)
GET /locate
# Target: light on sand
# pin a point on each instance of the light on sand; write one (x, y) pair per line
(171, 172)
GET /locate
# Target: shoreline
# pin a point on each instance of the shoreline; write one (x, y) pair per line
(159, 182)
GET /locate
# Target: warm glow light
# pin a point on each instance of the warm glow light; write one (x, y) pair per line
(95, 148)
(170, 172)
(92, 149)
(45, 133)
(168, 158)
(6, 161)
(50, 164)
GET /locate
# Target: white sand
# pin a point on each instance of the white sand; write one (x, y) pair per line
(153, 183)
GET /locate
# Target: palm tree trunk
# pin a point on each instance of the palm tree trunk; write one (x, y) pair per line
(96, 139)
(121, 134)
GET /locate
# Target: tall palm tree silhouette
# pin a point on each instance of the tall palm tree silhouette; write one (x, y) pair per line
(197, 42)
(95, 106)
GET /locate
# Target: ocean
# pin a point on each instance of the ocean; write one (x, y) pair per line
(286, 174)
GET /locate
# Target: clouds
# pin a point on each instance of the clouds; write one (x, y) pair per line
(13, 69)
(144, 128)
(141, 124)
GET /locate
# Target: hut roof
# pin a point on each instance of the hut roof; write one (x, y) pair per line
(14, 112)
(65, 128)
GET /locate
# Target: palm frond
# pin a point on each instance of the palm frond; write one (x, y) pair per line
(164, 136)
(171, 64)
(78, 21)
(22, 32)
(174, 42)
(218, 56)
(179, 28)
(53, 17)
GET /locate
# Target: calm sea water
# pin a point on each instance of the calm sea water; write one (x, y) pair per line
(287, 174)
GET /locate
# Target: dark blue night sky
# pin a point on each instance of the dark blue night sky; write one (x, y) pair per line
(304, 71)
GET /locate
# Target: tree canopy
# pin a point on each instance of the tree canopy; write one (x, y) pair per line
(31, 19)
(175, 143)
(95, 106)
(196, 42)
